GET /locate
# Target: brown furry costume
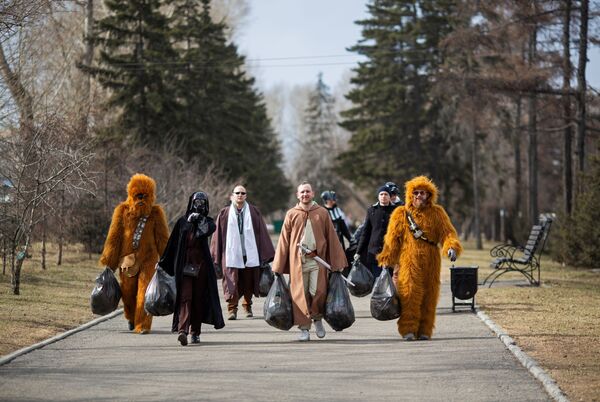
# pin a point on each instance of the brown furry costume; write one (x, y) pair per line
(419, 262)
(119, 243)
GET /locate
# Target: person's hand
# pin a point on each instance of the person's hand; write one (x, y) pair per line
(356, 257)
(452, 254)
(193, 217)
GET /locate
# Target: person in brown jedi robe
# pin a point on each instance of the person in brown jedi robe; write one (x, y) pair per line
(240, 245)
(308, 224)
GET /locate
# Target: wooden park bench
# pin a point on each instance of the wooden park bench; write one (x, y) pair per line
(523, 259)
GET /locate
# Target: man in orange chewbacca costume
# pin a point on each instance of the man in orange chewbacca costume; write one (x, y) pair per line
(410, 246)
(136, 239)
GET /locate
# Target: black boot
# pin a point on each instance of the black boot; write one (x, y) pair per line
(182, 338)
(131, 325)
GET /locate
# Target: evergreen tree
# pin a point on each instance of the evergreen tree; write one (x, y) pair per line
(134, 63)
(315, 159)
(393, 135)
(579, 234)
(224, 118)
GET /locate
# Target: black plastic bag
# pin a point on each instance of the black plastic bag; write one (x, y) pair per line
(277, 309)
(385, 304)
(161, 294)
(339, 312)
(106, 294)
(362, 278)
(266, 280)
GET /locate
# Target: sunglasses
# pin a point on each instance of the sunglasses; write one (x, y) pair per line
(419, 192)
(239, 192)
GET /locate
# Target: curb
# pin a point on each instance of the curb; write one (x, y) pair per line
(20, 352)
(530, 364)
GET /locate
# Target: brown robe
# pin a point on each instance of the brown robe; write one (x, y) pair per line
(264, 246)
(288, 260)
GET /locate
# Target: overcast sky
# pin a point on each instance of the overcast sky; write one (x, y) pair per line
(295, 39)
(290, 41)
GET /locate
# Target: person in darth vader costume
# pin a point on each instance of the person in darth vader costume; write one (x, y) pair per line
(187, 257)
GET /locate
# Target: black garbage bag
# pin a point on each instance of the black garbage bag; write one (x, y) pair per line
(266, 280)
(362, 278)
(339, 312)
(161, 294)
(385, 304)
(277, 309)
(106, 294)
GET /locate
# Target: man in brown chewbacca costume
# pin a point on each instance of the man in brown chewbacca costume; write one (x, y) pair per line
(136, 239)
(411, 245)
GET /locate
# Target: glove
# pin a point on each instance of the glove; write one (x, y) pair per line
(193, 217)
(356, 257)
(452, 254)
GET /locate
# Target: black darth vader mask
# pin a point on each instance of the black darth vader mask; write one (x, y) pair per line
(199, 203)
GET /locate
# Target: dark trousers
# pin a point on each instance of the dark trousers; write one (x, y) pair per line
(372, 265)
(245, 288)
(192, 302)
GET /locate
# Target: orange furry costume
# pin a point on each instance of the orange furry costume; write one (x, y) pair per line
(418, 262)
(119, 243)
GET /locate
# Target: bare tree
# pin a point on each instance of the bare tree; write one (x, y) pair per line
(581, 84)
(37, 167)
(567, 113)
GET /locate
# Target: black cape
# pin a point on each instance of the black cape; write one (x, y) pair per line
(173, 260)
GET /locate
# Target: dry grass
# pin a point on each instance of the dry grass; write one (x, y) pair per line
(51, 301)
(558, 324)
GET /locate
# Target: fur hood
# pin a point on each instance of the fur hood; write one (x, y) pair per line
(420, 182)
(141, 184)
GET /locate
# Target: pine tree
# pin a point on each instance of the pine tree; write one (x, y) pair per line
(393, 136)
(224, 120)
(579, 234)
(315, 160)
(134, 63)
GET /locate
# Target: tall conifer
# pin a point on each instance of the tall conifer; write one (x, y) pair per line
(135, 56)
(394, 110)
(224, 119)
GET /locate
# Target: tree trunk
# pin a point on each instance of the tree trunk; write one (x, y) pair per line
(18, 92)
(566, 99)
(17, 265)
(44, 228)
(475, 167)
(582, 85)
(88, 58)
(517, 160)
(3, 256)
(61, 234)
(532, 135)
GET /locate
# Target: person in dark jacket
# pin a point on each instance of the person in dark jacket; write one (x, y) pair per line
(375, 226)
(187, 257)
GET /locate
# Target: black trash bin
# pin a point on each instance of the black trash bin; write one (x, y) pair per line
(463, 283)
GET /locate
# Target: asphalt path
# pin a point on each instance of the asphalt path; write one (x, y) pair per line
(251, 361)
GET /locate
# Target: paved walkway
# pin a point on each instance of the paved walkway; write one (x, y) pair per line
(251, 361)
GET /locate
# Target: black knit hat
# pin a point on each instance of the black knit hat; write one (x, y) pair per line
(384, 188)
